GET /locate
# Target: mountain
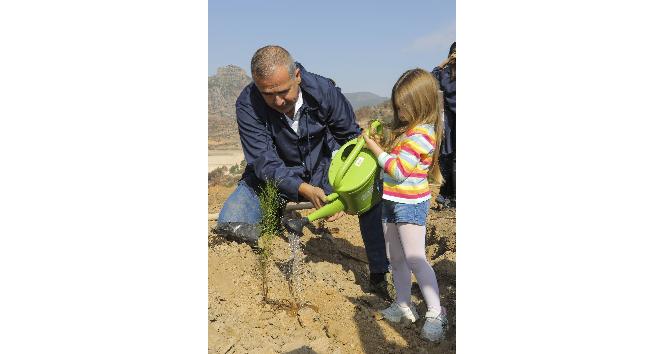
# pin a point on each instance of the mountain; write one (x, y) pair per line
(223, 89)
(382, 111)
(363, 99)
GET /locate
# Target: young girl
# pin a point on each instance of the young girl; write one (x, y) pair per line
(413, 157)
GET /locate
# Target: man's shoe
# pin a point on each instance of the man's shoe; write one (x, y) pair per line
(379, 286)
(239, 232)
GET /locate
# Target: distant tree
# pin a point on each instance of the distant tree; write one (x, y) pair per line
(215, 176)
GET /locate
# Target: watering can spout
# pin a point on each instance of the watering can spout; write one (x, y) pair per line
(329, 209)
(334, 206)
(295, 226)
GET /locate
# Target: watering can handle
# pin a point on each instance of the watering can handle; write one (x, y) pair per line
(375, 126)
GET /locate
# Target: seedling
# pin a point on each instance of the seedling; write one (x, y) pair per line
(270, 226)
(271, 205)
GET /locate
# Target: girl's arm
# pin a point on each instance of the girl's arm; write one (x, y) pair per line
(403, 164)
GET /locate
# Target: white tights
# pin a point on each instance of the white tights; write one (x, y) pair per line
(406, 252)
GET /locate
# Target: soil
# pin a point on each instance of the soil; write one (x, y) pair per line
(336, 313)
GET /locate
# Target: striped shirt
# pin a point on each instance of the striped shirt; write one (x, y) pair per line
(407, 165)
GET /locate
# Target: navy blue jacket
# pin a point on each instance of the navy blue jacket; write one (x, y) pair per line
(272, 149)
(448, 87)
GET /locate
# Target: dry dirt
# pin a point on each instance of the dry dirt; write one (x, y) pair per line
(337, 314)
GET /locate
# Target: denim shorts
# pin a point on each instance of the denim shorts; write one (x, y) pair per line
(394, 212)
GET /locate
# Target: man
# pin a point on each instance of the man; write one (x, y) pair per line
(446, 75)
(290, 123)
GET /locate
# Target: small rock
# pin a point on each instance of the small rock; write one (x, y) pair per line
(307, 317)
(334, 330)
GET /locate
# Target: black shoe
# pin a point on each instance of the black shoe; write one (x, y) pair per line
(239, 232)
(378, 285)
(445, 202)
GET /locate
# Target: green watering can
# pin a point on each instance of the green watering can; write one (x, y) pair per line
(353, 176)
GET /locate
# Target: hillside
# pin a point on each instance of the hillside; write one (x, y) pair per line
(363, 99)
(382, 111)
(223, 89)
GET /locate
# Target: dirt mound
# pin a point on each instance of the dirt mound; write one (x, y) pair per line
(337, 315)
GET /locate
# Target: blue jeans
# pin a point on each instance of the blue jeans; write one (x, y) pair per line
(242, 206)
(394, 212)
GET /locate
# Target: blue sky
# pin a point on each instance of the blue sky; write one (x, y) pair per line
(362, 45)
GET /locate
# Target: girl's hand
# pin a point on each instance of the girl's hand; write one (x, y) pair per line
(371, 144)
(365, 135)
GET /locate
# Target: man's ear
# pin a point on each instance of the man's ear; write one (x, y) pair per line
(298, 78)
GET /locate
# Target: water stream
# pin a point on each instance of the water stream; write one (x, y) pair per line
(295, 268)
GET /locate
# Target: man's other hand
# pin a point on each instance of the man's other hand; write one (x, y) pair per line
(336, 216)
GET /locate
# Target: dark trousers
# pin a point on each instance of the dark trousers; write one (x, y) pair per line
(371, 228)
(448, 170)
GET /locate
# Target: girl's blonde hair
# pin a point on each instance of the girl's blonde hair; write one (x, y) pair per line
(415, 101)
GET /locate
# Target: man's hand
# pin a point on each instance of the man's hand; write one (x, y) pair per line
(448, 60)
(336, 216)
(313, 194)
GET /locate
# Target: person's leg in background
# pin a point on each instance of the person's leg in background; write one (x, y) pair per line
(447, 195)
(454, 178)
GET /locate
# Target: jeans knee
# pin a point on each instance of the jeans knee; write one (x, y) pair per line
(241, 206)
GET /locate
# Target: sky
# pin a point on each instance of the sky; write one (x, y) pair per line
(361, 45)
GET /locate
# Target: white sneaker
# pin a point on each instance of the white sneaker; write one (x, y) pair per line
(396, 313)
(434, 326)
